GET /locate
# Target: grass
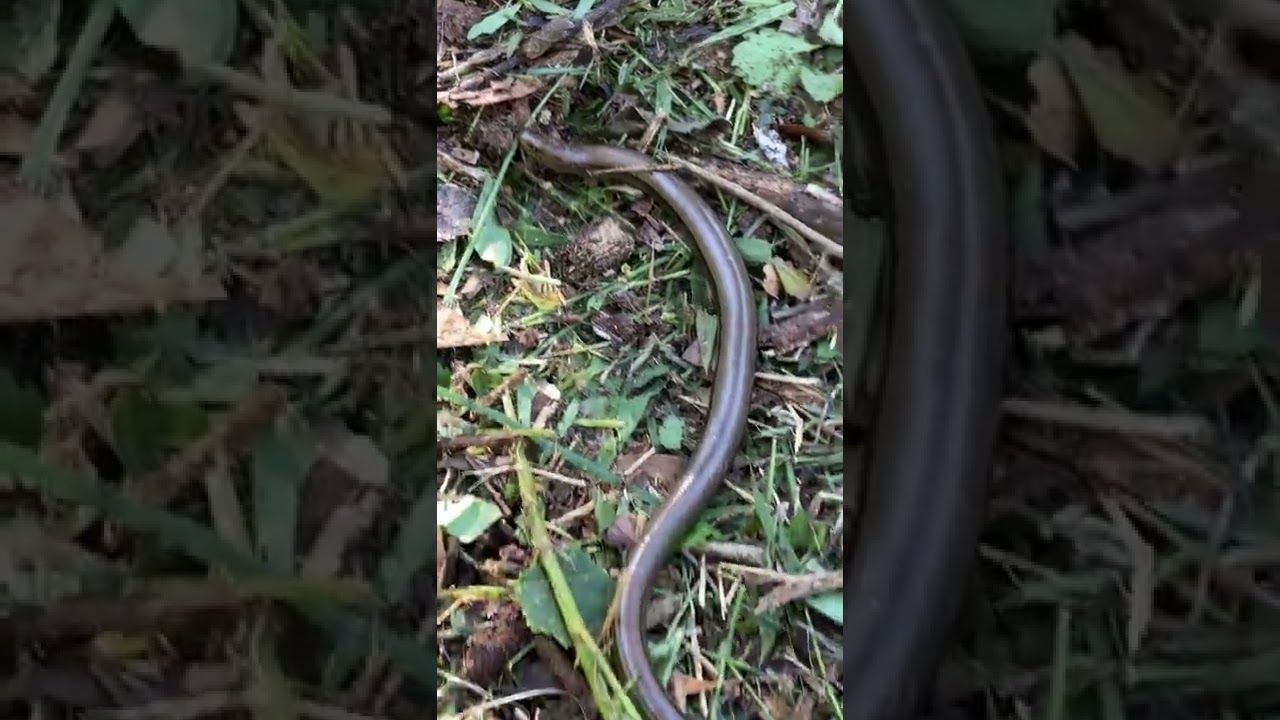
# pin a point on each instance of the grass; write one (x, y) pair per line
(1128, 566)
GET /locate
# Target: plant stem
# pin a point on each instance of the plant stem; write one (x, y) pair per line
(37, 168)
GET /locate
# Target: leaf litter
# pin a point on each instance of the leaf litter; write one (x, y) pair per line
(1141, 151)
(214, 313)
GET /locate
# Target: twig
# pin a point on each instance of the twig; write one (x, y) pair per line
(251, 414)
(1165, 427)
(782, 217)
(306, 102)
(800, 588)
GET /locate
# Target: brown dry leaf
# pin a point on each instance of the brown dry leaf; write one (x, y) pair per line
(772, 287)
(453, 329)
(442, 559)
(15, 135)
(661, 468)
(455, 18)
(111, 129)
(794, 282)
(52, 266)
(454, 207)
(1051, 119)
(624, 532)
(597, 250)
(499, 92)
(683, 686)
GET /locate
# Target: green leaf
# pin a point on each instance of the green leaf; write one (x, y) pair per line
(199, 543)
(549, 8)
(493, 22)
(631, 412)
(830, 30)
(1006, 26)
(144, 428)
(823, 87)
(802, 533)
(415, 547)
(494, 244)
(1222, 337)
(670, 433)
(1027, 204)
(21, 411)
(199, 31)
(280, 466)
(767, 15)
(37, 567)
(466, 517)
(606, 510)
(754, 251)
(770, 59)
(830, 604)
(794, 282)
(29, 37)
(1129, 119)
(705, 326)
(590, 585)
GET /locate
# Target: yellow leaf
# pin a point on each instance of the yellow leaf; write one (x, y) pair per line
(794, 282)
(345, 177)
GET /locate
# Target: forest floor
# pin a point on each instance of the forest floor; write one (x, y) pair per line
(215, 334)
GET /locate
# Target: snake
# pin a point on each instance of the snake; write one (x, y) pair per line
(923, 500)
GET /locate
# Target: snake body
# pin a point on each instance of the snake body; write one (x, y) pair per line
(730, 394)
(924, 496)
(935, 428)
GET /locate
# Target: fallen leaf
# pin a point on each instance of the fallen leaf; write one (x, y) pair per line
(38, 567)
(1051, 119)
(453, 329)
(772, 287)
(454, 207)
(660, 468)
(339, 173)
(624, 532)
(685, 685)
(52, 266)
(499, 92)
(1128, 117)
(110, 130)
(793, 282)
(357, 455)
(202, 31)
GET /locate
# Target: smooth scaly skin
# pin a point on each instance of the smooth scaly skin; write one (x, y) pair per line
(925, 492)
(925, 496)
(730, 395)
